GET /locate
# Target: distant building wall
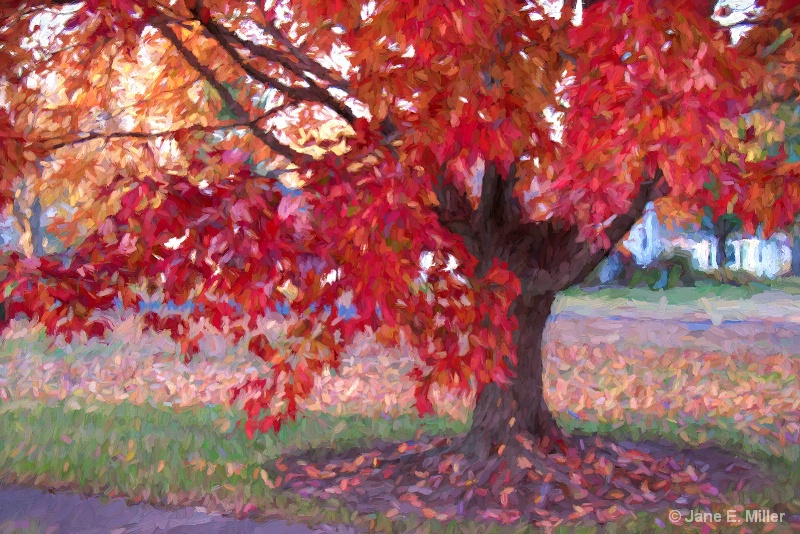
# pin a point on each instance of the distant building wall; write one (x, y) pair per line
(762, 257)
(646, 240)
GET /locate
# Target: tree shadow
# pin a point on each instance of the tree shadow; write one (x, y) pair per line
(580, 479)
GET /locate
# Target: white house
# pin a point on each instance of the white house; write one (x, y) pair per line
(769, 258)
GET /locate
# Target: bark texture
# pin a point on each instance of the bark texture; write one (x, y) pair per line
(723, 227)
(28, 219)
(547, 257)
(501, 413)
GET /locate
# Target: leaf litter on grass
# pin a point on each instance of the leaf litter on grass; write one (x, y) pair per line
(581, 479)
(688, 393)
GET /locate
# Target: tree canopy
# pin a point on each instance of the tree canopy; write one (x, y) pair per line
(241, 153)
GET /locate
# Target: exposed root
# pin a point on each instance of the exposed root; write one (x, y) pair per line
(547, 482)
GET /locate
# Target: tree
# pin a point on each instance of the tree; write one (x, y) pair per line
(795, 262)
(26, 220)
(722, 227)
(507, 137)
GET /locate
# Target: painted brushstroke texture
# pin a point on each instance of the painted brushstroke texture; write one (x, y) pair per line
(377, 265)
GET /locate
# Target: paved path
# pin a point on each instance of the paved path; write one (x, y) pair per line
(31, 510)
(761, 336)
(767, 323)
(771, 305)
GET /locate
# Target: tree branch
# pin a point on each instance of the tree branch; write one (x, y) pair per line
(268, 138)
(455, 211)
(589, 3)
(649, 191)
(488, 206)
(307, 64)
(497, 221)
(84, 137)
(312, 93)
(205, 71)
(550, 256)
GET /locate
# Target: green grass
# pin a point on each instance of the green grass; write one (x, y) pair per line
(121, 444)
(677, 295)
(100, 448)
(789, 284)
(32, 527)
(685, 295)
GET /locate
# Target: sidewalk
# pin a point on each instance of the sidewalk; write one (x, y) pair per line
(772, 305)
(32, 510)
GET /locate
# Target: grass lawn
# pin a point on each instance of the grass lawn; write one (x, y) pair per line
(111, 419)
(190, 457)
(678, 295)
(683, 295)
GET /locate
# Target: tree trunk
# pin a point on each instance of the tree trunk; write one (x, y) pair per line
(723, 228)
(37, 232)
(722, 253)
(796, 255)
(546, 257)
(28, 222)
(503, 412)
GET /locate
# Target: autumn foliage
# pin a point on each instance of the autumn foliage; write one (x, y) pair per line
(242, 156)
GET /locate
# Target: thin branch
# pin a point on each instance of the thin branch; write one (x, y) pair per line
(51, 55)
(205, 71)
(119, 109)
(297, 93)
(84, 137)
(306, 62)
(268, 138)
(313, 93)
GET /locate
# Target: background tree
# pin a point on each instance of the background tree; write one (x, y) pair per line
(771, 136)
(26, 210)
(796, 248)
(721, 227)
(408, 127)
